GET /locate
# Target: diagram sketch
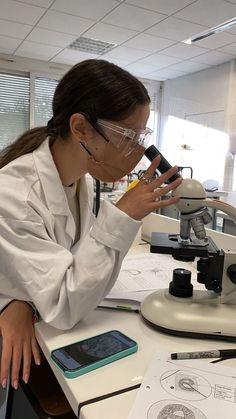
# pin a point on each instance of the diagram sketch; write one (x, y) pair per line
(147, 272)
(185, 385)
(185, 389)
(170, 409)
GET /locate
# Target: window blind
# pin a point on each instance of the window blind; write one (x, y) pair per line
(14, 107)
(43, 94)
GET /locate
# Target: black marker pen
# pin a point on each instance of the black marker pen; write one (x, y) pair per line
(220, 353)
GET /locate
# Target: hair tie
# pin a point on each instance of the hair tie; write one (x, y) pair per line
(50, 124)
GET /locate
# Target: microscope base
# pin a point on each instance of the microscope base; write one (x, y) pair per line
(201, 316)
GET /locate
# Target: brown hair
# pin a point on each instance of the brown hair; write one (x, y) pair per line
(96, 88)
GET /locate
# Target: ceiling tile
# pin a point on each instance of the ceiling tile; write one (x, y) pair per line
(148, 42)
(38, 51)
(183, 51)
(41, 3)
(189, 66)
(159, 60)
(167, 74)
(140, 68)
(8, 45)
(132, 17)
(62, 22)
(208, 12)
(162, 6)
(20, 12)
(85, 8)
(126, 53)
(176, 29)
(109, 33)
(70, 56)
(14, 29)
(154, 77)
(212, 58)
(45, 36)
(118, 61)
(216, 41)
(229, 49)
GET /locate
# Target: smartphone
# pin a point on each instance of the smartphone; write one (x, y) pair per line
(87, 355)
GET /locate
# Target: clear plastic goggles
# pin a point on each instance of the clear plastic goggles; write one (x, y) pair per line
(126, 139)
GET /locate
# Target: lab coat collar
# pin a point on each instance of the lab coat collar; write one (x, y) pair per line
(54, 192)
(49, 177)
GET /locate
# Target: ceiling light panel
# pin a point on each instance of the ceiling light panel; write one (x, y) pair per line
(212, 31)
(93, 46)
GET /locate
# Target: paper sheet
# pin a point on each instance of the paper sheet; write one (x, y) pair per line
(143, 273)
(189, 389)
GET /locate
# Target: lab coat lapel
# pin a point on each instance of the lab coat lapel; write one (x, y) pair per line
(86, 194)
(64, 230)
(54, 194)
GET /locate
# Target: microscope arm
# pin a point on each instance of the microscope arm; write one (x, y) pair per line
(222, 206)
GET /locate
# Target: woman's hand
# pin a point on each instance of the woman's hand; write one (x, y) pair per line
(18, 342)
(144, 197)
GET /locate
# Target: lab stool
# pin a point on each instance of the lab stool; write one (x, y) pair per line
(45, 394)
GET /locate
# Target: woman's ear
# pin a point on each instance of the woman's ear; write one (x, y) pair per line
(78, 125)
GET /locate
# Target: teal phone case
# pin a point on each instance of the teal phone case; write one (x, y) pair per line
(97, 364)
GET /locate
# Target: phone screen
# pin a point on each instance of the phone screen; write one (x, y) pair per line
(91, 350)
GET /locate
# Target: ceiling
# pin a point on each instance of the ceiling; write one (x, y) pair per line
(148, 33)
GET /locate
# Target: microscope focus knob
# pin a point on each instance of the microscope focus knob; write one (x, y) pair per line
(181, 286)
(231, 272)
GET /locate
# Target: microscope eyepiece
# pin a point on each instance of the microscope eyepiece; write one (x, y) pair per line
(152, 152)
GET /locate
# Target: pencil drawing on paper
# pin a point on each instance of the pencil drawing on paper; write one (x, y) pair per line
(185, 390)
(185, 385)
(133, 272)
(171, 409)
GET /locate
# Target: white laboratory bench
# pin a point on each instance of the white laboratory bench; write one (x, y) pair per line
(110, 391)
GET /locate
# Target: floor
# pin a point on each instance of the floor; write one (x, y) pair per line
(21, 408)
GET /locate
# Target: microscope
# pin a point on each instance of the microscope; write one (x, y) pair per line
(181, 310)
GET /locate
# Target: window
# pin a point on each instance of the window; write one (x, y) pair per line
(187, 143)
(14, 107)
(43, 95)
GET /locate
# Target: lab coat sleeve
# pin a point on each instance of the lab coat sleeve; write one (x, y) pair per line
(64, 285)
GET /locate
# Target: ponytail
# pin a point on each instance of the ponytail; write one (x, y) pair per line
(26, 143)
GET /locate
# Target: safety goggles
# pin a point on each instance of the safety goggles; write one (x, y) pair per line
(126, 138)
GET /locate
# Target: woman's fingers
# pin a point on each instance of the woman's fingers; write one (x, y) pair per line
(12, 357)
(167, 188)
(163, 178)
(170, 201)
(18, 342)
(149, 173)
(5, 362)
(35, 351)
(15, 366)
(26, 362)
(143, 198)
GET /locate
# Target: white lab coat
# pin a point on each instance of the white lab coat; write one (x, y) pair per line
(38, 261)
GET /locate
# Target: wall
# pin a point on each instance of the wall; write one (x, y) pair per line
(206, 98)
(197, 94)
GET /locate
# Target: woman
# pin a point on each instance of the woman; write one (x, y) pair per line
(54, 253)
